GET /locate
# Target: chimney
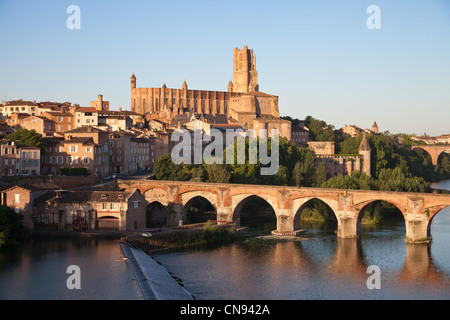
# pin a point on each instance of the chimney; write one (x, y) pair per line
(120, 109)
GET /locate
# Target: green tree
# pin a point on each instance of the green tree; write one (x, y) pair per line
(320, 175)
(280, 178)
(217, 173)
(29, 138)
(166, 169)
(12, 229)
(319, 130)
(197, 173)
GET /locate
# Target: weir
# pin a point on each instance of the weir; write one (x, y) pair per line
(153, 279)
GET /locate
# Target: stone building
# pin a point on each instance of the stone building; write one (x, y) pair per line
(21, 199)
(42, 125)
(64, 121)
(16, 159)
(99, 104)
(300, 136)
(342, 164)
(130, 153)
(90, 210)
(19, 106)
(322, 147)
(243, 101)
(75, 152)
(85, 147)
(85, 116)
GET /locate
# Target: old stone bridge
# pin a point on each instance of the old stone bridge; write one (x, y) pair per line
(434, 150)
(418, 209)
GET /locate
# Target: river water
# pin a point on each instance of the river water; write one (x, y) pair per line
(320, 266)
(38, 270)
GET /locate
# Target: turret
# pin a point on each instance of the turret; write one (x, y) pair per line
(133, 81)
(230, 86)
(365, 151)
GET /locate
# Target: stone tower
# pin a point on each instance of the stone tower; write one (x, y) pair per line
(133, 81)
(375, 127)
(365, 150)
(245, 76)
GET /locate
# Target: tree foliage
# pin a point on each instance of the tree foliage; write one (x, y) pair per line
(29, 138)
(12, 229)
(394, 166)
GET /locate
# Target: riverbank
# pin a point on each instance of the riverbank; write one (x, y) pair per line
(185, 236)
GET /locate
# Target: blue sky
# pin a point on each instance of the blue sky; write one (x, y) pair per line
(318, 56)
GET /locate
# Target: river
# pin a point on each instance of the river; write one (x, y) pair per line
(320, 266)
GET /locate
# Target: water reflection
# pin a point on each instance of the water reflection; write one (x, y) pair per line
(38, 270)
(419, 265)
(322, 266)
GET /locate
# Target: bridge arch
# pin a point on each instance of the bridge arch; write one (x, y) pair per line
(205, 210)
(361, 207)
(188, 196)
(239, 201)
(302, 203)
(155, 215)
(432, 212)
(157, 194)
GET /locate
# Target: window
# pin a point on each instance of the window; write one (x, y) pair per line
(17, 198)
(73, 149)
(111, 206)
(85, 159)
(105, 206)
(136, 204)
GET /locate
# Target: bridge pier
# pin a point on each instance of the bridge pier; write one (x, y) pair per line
(348, 227)
(226, 216)
(174, 214)
(417, 229)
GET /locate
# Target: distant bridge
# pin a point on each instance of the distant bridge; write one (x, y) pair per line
(433, 150)
(418, 209)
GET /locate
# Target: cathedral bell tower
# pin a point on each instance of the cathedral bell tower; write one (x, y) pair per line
(245, 76)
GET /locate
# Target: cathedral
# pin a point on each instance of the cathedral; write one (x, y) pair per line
(242, 104)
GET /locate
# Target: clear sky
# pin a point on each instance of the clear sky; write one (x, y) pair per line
(318, 56)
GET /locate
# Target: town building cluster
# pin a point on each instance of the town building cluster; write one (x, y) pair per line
(97, 142)
(91, 140)
(442, 139)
